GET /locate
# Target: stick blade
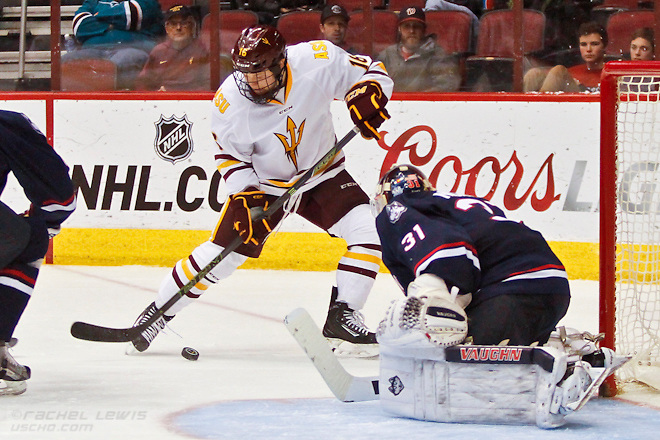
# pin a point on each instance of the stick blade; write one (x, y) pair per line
(91, 332)
(343, 385)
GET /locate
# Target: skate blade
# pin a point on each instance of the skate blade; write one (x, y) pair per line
(12, 388)
(345, 349)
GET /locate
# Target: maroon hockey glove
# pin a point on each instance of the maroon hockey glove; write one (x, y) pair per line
(366, 103)
(240, 204)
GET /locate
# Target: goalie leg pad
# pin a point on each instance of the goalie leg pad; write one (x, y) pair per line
(421, 383)
(436, 390)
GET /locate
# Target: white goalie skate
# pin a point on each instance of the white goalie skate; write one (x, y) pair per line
(587, 368)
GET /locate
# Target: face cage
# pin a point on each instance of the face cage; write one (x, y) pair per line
(380, 200)
(245, 89)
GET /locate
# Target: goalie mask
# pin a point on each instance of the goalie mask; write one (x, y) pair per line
(398, 180)
(259, 59)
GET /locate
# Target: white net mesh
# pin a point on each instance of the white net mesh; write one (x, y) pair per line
(638, 227)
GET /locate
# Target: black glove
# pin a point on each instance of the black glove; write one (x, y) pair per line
(366, 103)
(240, 204)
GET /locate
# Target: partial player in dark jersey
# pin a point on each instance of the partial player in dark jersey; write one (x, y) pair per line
(502, 273)
(44, 177)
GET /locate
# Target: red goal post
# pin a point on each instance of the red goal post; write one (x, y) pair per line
(630, 219)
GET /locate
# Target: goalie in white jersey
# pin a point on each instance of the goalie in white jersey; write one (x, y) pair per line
(271, 123)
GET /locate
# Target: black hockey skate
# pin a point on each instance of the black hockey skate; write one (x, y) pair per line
(12, 374)
(146, 338)
(347, 334)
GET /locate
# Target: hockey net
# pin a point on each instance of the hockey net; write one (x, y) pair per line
(630, 219)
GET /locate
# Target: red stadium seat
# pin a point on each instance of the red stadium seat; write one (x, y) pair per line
(453, 30)
(356, 5)
(398, 5)
(604, 11)
(494, 53)
(232, 23)
(620, 27)
(385, 29)
(89, 75)
(300, 26)
(496, 33)
(626, 4)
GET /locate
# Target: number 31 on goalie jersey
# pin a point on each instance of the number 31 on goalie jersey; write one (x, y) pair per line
(409, 239)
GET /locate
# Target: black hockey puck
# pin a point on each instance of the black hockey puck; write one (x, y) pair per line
(190, 353)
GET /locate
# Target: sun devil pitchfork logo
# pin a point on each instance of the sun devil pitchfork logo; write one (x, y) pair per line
(173, 139)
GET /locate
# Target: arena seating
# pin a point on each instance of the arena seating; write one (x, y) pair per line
(453, 30)
(89, 75)
(620, 27)
(357, 5)
(398, 5)
(232, 22)
(385, 25)
(495, 43)
(300, 26)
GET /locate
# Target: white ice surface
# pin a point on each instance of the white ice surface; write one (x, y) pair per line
(252, 380)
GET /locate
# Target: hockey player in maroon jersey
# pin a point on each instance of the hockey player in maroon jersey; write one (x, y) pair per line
(272, 123)
(25, 152)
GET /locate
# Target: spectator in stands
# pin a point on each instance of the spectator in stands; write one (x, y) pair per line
(416, 63)
(642, 45)
(444, 5)
(581, 78)
(123, 32)
(181, 62)
(269, 10)
(334, 24)
(642, 48)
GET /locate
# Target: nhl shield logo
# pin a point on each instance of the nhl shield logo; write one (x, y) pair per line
(173, 138)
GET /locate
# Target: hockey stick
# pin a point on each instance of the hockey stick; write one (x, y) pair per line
(91, 332)
(344, 386)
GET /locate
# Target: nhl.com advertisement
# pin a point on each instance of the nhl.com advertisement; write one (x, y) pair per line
(150, 164)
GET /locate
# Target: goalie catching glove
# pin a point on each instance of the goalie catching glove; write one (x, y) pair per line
(366, 103)
(442, 315)
(254, 232)
(429, 314)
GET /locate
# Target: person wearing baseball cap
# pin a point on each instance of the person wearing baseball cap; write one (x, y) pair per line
(416, 63)
(181, 62)
(334, 24)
